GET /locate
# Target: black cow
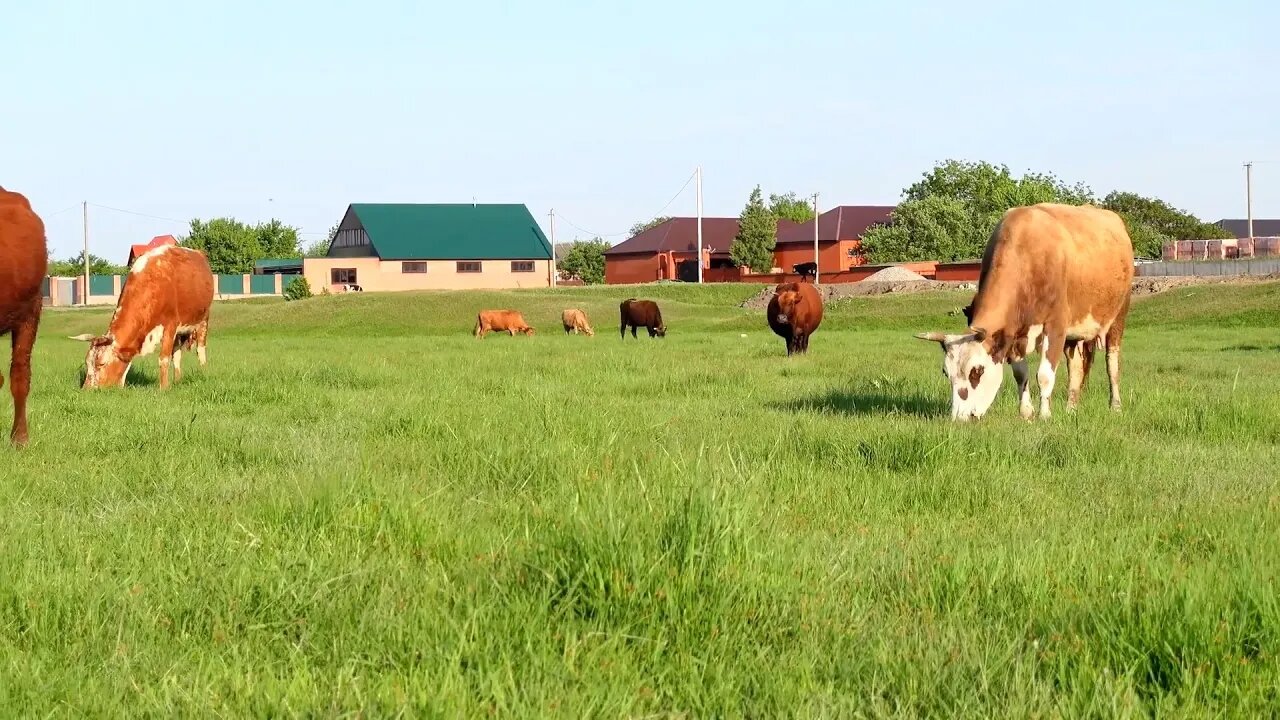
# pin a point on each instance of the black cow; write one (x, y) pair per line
(805, 269)
(641, 313)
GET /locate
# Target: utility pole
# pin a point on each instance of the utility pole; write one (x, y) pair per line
(553, 246)
(1248, 196)
(699, 224)
(816, 256)
(84, 216)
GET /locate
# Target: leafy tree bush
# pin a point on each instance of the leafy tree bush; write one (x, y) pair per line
(585, 259)
(233, 246)
(757, 235)
(74, 267)
(297, 289)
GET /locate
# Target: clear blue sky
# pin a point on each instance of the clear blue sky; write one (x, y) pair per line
(601, 110)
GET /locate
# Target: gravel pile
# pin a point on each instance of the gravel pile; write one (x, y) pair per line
(895, 273)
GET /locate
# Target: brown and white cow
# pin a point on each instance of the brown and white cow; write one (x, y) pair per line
(23, 262)
(575, 321)
(1055, 279)
(794, 313)
(165, 304)
(508, 321)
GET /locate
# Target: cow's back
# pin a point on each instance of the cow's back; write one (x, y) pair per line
(171, 284)
(23, 257)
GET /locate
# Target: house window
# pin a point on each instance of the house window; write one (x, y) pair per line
(343, 276)
(468, 267)
(521, 266)
(413, 267)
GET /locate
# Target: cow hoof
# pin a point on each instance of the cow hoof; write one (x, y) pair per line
(1027, 412)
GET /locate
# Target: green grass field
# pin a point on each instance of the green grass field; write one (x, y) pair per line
(358, 508)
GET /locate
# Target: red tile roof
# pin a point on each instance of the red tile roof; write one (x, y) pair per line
(157, 241)
(846, 222)
(681, 235)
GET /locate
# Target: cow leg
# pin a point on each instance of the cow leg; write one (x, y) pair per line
(202, 336)
(622, 330)
(633, 331)
(166, 353)
(1048, 373)
(1020, 376)
(23, 340)
(1075, 373)
(177, 363)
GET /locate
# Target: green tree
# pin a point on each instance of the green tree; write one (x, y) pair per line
(233, 246)
(790, 207)
(585, 259)
(757, 235)
(647, 224)
(1153, 222)
(74, 267)
(297, 288)
(949, 214)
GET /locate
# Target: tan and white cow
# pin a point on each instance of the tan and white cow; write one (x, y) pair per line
(165, 304)
(1055, 279)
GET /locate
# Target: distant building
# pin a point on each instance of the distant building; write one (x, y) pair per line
(669, 250)
(135, 251)
(389, 247)
(1239, 228)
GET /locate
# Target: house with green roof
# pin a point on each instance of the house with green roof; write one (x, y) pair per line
(401, 246)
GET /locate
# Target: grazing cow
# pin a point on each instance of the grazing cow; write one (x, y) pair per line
(1055, 279)
(795, 312)
(574, 320)
(508, 321)
(165, 304)
(24, 260)
(641, 314)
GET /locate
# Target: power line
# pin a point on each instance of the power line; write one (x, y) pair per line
(145, 215)
(627, 233)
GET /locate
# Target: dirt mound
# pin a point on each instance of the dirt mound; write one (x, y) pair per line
(862, 288)
(895, 273)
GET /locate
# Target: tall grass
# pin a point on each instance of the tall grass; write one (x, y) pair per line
(358, 507)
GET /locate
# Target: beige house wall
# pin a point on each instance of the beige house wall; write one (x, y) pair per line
(375, 275)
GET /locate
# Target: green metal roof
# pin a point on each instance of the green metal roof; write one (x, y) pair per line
(275, 263)
(462, 231)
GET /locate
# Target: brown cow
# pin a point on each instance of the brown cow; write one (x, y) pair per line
(509, 321)
(1055, 278)
(24, 258)
(575, 321)
(795, 312)
(641, 313)
(165, 304)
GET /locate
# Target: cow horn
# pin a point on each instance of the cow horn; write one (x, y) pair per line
(85, 337)
(932, 336)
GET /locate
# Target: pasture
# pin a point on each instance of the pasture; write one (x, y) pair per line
(360, 508)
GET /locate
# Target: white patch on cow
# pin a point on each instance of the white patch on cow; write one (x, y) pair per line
(963, 360)
(177, 361)
(1086, 329)
(200, 354)
(1047, 377)
(151, 341)
(1034, 334)
(125, 374)
(145, 258)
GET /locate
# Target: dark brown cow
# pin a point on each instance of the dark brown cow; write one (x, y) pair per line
(641, 314)
(165, 304)
(24, 259)
(508, 321)
(795, 312)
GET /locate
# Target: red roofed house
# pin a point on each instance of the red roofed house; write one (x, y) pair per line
(657, 253)
(840, 232)
(136, 250)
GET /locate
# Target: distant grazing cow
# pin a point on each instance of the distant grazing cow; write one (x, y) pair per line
(795, 312)
(574, 320)
(641, 314)
(508, 321)
(23, 262)
(1055, 278)
(805, 269)
(165, 304)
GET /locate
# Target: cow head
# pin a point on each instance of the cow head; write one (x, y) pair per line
(527, 330)
(789, 299)
(661, 330)
(975, 376)
(105, 365)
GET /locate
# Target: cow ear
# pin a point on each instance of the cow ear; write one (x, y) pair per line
(979, 334)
